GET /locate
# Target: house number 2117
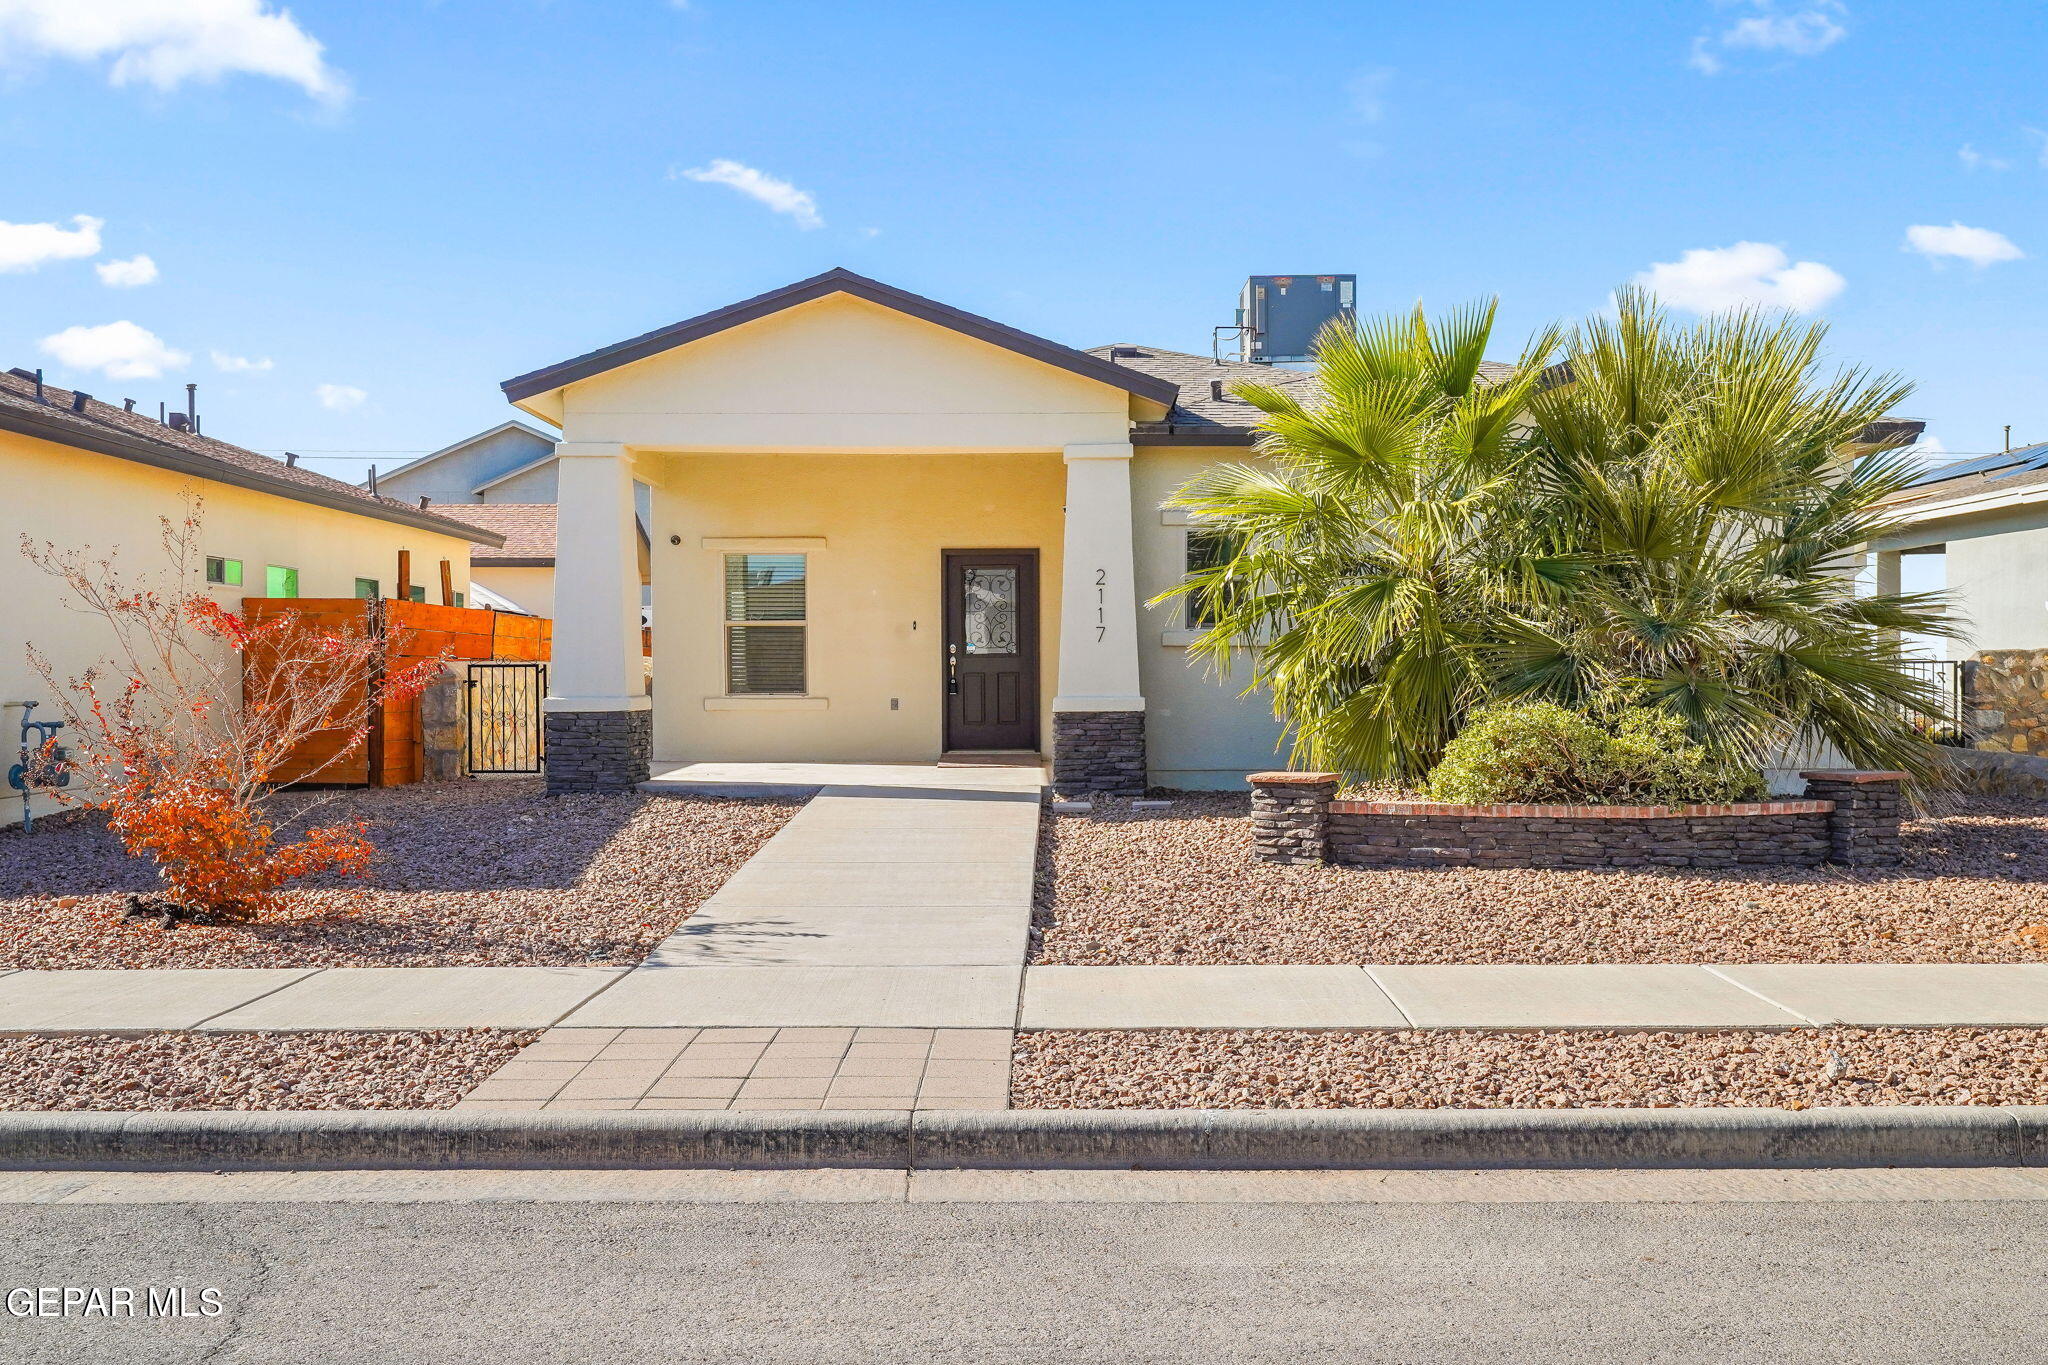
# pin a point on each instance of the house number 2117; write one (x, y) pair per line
(1101, 605)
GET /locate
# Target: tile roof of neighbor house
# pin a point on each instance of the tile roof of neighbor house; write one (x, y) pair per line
(836, 281)
(528, 529)
(67, 417)
(1201, 417)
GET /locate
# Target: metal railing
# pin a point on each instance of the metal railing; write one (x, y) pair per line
(1944, 677)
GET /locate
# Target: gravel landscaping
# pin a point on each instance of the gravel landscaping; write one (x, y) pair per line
(1127, 886)
(1808, 1068)
(340, 1070)
(481, 873)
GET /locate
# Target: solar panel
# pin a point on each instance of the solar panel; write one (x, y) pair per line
(2031, 459)
(1983, 464)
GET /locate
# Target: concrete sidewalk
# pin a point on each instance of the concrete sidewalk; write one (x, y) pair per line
(986, 997)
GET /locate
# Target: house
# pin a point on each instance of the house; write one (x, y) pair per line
(82, 473)
(1987, 519)
(883, 530)
(509, 470)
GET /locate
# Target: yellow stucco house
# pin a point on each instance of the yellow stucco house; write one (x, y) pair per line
(885, 530)
(81, 473)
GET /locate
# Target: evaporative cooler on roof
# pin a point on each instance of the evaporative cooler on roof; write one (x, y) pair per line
(1279, 315)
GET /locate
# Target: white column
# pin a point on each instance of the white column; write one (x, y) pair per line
(1098, 585)
(596, 658)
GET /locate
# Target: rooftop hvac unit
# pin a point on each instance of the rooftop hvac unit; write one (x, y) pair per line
(1278, 316)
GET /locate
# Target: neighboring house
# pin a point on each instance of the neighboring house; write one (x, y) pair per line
(1988, 519)
(520, 574)
(511, 462)
(883, 530)
(81, 474)
(510, 466)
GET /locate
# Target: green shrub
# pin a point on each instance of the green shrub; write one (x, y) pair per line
(1541, 753)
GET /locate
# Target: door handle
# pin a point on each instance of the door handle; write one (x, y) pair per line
(952, 670)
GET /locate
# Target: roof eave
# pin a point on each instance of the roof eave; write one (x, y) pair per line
(178, 461)
(527, 386)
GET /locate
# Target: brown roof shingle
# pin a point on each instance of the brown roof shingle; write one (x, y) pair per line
(528, 529)
(110, 430)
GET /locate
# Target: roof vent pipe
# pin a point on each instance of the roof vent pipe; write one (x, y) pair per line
(127, 405)
(291, 459)
(192, 406)
(373, 481)
(79, 398)
(180, 422)
(1216, 390)
(424, 500)
(39, 385)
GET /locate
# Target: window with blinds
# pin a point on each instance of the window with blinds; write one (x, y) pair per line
(764, 624)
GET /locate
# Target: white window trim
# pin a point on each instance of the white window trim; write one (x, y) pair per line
(766, 701)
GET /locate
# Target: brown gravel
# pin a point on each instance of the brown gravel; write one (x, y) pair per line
(484, 873)
(1190, 1069)
(1180, 885)
(339, 1070)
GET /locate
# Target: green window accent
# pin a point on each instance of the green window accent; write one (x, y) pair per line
(279, 581)
(368, 589)
(1206, 550)
(418, 593)
(458, 600)
(224, 571)
(765, 602)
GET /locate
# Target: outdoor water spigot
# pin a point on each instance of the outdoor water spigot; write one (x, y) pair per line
(43, 763)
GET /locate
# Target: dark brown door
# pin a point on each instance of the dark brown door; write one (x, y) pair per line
(991, 649)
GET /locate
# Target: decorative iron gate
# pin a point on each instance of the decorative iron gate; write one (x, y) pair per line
(504, 717)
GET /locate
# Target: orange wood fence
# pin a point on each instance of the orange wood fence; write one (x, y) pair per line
(393, 756)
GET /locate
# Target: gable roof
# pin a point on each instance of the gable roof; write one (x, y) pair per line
(528, 529)
(1199, 416)
(514, 472)
(839, 281)
(65, 417)
(465, 443)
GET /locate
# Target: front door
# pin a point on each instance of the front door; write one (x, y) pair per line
(992, 649)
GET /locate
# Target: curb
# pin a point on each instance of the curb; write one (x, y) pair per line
(1024, 1139)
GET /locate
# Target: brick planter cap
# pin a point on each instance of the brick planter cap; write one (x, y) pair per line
(1578, 812)
(1852, 775)
(1292, 779)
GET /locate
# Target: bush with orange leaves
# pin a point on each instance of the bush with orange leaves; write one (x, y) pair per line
(179, 752)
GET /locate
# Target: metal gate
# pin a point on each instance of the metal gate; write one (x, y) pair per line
(504, 717)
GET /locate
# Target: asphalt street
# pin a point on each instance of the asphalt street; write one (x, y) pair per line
(1624, 1279)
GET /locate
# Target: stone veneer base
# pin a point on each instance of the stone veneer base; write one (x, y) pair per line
(1850, 819)
(598, 751)
(1098, 752)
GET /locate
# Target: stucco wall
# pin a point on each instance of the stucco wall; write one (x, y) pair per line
(532, 485)
(876, 632)
(532, 589)
(75, 498)
(1200, 734)
(2000, 582)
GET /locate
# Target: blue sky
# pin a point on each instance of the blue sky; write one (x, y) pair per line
(381, 210)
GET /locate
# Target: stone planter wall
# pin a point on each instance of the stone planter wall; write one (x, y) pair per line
(597, 751)
(1098, 752)
(1847, 818)
(2005, 701)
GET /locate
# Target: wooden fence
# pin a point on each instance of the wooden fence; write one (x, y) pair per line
(394, 754)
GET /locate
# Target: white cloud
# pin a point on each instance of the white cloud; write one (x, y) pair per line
(128, 274)
(239, 364)
(165, 43)
(121, 350)
(1805, 30)
(1368, 92)
(1713, 279)
(1975, 160)
(339, 397)
(778, 195)
(1979, 246)
(2041, 139)
(25, 246)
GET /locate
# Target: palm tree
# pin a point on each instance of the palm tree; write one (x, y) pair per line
(1671, 515)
